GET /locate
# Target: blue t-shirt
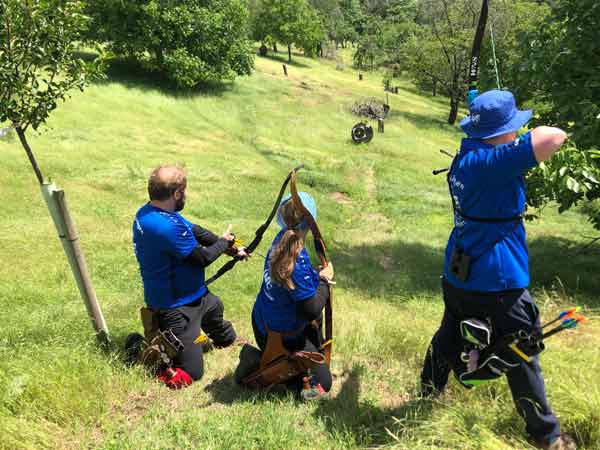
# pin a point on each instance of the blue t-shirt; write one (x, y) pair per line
(275, 305)
(161, 241)
(488, 182)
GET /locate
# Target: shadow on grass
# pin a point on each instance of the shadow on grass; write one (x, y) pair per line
(389, 270)
(424, 122)
(439, 99)
(369, 423)
(227, 392)
(282, 57)
(133, 74)
(414, 269)
(559, 264)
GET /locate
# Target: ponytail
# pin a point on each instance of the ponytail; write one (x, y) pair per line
(284, 255)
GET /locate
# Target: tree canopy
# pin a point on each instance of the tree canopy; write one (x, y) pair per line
(39, 58)
(290, 22)
(189, 41)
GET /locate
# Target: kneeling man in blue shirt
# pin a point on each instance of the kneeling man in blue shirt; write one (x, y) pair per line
(172, 254)
(486, 270)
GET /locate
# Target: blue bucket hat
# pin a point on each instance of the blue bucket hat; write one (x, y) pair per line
(307, 201)
(494, 113)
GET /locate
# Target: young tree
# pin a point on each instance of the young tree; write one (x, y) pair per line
(560, 76)
(189, 41)
(39, 65)
(385, 26)
(439, 50)
(369, 48)
(562, 66)
(290, 22)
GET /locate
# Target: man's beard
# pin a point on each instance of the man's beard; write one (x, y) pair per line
(179, 204)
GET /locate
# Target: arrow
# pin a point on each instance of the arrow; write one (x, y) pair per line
(563, 316)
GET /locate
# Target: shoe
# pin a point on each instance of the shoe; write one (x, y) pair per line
(134, 345)
(562, 442)
(249, 362)
(314, 393)
(174, 378)
(238, 341)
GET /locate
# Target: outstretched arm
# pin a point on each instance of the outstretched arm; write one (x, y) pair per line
(205, 255)
(546, 141)
(203, 236)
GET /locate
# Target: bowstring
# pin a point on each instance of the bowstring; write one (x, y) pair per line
(494, 54)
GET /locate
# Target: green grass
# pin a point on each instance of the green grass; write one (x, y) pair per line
(386, 239)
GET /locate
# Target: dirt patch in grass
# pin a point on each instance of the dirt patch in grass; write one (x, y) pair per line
(393, 401)
(371, 182)
(341, 198)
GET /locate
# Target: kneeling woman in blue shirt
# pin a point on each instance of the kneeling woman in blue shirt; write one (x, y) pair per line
(293, 294)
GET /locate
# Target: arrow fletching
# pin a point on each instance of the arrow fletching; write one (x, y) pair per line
(565, 315)
(569, 312)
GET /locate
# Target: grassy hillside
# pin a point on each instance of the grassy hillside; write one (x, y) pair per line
(383, 215)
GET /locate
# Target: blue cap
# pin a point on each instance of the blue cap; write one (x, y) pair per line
(309, 204)
(494, 113)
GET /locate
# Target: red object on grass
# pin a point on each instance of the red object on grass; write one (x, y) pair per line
(174, 378)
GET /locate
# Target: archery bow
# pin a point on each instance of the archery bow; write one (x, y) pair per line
(473, 92)
(312, 223)
(320, 249)
(260, 231)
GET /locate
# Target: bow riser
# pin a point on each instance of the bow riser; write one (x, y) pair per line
(475, 52)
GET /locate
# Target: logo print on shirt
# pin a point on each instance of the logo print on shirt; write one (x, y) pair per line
(138, 226)
(268, 285)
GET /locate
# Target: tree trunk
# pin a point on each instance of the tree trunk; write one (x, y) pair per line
(160, 57)
(275, 47)
(434, 89)
(289, 52)
(453, 110)
(25, 144)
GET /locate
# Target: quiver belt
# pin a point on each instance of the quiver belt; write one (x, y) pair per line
(162, 350)
(278, 365)
(486, 360)
(162, 346)
(284, 368)
(491, 368)
(150, 323)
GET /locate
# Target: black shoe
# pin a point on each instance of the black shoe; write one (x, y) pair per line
(249, 362)
(134, 344)
(563, 442)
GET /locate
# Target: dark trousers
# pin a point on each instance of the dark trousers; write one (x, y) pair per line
(187, 321)
(308, 340)
(508, 311)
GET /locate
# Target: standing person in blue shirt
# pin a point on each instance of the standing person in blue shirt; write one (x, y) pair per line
(486, 270)
(293, 294)
(172, 254)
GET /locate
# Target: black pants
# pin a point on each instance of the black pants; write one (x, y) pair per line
(309, 340)
(508, 311)
(186, 323)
